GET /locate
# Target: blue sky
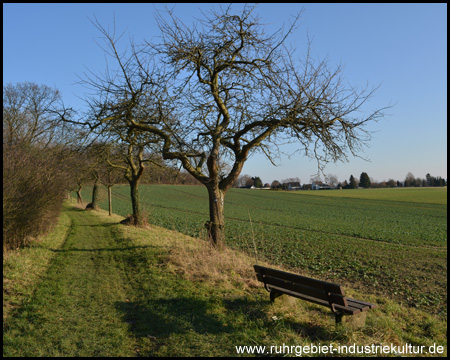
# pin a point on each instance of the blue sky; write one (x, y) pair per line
(401, 47)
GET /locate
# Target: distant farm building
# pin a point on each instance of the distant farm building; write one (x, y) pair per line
(319, 185)
(291, 186)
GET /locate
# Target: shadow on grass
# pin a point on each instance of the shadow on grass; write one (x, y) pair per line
(74, 209)
(315, 333)
(98, 225)
(163, 321)
(158, 320)
(252, 309)
(258, 310)
(162, 317)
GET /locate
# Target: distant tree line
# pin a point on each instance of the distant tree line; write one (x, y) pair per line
(364, 181)
(411, 181)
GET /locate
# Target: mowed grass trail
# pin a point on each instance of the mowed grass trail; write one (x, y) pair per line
(74, 311)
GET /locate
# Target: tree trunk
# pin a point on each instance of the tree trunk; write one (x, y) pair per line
(94, 202)
(135, 202)
(79, 198)
(216, 224)
(109, 200)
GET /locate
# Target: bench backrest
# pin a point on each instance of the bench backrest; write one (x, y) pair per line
(326, 292)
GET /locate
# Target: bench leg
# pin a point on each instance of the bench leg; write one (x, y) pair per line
(338, 317)
(274, 295)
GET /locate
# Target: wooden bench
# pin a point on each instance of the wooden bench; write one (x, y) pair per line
(316, 291)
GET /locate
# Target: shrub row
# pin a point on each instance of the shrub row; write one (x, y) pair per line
(34, 183)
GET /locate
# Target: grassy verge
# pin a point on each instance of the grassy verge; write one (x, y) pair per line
(72, 311)
(23, 270)
(113, 290)
(207, 297)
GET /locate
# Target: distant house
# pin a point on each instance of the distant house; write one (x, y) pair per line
(291, 186)
(248, 187)
(319, 185)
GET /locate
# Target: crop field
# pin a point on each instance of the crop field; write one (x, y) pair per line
(387, 241)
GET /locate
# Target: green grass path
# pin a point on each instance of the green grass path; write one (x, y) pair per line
(107, 294)
(74, 310)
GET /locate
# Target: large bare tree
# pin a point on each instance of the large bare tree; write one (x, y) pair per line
(230, 90)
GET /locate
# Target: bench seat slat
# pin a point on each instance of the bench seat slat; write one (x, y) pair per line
(298, 295)
(349, 310)
(298, 288)
(357, 306)
(314, 283)
(364, 304)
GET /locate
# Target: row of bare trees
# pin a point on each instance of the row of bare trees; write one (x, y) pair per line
(205, 98)
(44, 159)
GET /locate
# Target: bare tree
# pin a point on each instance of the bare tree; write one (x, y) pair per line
(94, 153)
(291, 180)
(331, 180)
(315, 179)
(275, 184)
(410, 180)
(29, 115)
(120, 96)
(133, 161)
(244, 180)
(231, 90)
(79, 165)
(110, 173)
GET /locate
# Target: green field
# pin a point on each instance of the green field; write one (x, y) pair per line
(418, 195)
(386, 241)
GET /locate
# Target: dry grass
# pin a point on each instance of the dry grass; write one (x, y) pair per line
(131, 220)
(24, 268)
(206, 264)
(212, 266)
(196, 259)
(75, 204)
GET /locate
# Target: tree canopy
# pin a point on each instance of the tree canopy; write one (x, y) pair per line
(364, 180)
